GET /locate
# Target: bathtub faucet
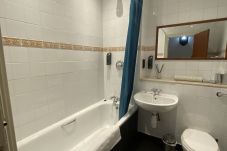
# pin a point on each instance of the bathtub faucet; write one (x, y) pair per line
(115, 100)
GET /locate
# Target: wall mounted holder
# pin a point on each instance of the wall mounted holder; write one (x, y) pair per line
(150, 62)
(159, 71)
(143, 63)
(119, 64)
(108, 58)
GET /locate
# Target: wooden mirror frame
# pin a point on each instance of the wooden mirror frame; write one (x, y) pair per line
(183, 24)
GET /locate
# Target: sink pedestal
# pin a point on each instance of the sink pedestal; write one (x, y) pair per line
(154, 120)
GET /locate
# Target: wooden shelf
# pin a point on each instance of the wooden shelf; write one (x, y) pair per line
(184, 82)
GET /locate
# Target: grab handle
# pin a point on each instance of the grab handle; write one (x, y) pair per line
(220, 94)
(70, 122)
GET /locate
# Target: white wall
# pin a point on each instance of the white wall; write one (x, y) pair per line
(198, 107)
(47, 85)
(44, 84)
(115, 28)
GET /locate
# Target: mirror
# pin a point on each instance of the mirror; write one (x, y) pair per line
(206, 40)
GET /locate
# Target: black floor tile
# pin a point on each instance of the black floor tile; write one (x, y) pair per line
(146, 143)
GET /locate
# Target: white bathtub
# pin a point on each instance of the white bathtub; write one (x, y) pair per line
(83, 129)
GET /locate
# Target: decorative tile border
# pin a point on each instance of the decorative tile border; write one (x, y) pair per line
(148, 48)
(142, 48)
(17, 42)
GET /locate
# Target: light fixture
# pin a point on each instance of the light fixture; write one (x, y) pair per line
(183, 40)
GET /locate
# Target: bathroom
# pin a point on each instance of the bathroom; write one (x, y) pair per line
(63, 61)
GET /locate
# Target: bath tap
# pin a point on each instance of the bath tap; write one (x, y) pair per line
(115, 100)
(156, 91)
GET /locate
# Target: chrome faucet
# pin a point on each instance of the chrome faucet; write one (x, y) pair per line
(156, 91)
(115, 100)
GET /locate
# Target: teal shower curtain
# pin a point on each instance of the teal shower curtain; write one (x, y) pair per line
(130, 55)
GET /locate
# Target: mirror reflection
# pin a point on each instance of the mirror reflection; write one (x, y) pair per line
(198, 40)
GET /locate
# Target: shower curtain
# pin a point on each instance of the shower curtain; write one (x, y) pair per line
(130, 55)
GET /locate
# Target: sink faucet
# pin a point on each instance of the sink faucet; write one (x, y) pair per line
(115, 100)
(156, 91)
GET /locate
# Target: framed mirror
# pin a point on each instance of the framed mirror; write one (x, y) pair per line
(201, 40)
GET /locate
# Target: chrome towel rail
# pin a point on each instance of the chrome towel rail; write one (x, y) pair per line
(70, 122)
(221, 94)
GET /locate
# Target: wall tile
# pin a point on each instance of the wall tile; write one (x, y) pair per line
(198, 106)
(3, 27)
(16, 29)
(20, 70)
(18, 55)
(38, 77)
(37, 69)
(222, 11)
(21, 86)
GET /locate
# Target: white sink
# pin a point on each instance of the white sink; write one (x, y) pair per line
(156, 103)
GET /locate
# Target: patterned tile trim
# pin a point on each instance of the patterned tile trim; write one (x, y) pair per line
(142, 48)
(17, 42)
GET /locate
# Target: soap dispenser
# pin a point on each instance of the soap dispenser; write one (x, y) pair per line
(108, 58)
(150, 62)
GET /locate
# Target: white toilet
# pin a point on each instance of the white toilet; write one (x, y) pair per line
(195, 140)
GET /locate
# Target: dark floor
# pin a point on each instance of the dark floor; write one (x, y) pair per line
(132, 140)
(147, 143)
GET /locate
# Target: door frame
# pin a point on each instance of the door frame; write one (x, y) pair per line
(5, 105)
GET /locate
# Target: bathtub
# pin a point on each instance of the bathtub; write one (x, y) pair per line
(78, 131)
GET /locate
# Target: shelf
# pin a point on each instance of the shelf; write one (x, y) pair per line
(185, 82)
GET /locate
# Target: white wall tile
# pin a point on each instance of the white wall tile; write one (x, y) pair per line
(222, 11)
(20, 70)
(18, 12)
(21, 86)
(37, 77)
(16, 29)
(37, 69)
(36, 55)
(198, 106)
(18, 54)
(3, 27)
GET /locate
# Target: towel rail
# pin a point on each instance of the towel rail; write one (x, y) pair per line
(221, 94)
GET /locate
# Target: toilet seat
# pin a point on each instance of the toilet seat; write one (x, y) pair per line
(195, 140)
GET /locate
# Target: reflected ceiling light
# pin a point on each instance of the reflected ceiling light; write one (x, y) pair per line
(183, 40)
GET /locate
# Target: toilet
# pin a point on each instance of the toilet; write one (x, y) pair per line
(195, 140)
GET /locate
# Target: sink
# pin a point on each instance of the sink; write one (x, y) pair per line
(156, 103)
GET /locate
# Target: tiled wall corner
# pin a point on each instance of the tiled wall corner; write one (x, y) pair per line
(48, 80)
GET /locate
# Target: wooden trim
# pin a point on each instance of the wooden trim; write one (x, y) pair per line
(194, 22)
(183, 24)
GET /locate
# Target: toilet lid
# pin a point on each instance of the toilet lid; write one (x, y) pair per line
(195, 140)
